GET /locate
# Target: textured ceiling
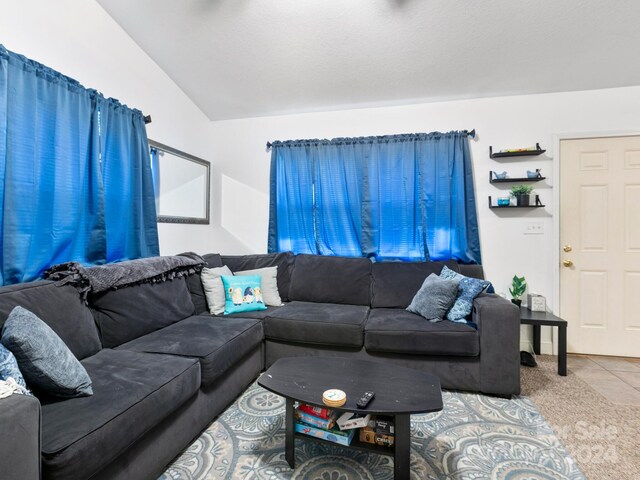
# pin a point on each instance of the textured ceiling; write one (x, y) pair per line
(246, 58)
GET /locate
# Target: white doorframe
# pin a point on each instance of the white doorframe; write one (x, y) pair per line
(557, 138)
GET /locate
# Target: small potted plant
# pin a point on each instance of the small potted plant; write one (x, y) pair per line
(518, 286)
(521, 194)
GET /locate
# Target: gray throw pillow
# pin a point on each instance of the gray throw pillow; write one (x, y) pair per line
(269, 284)
(435, 297)
(47, 364)
(213, 288)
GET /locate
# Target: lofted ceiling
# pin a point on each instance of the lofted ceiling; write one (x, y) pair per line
(247, 58)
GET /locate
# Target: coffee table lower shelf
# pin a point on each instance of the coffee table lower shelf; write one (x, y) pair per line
(355, 444)
(400, 450)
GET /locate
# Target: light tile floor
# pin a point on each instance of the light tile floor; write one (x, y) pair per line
(615, 378)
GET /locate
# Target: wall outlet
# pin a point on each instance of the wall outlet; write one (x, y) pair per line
(534, 228)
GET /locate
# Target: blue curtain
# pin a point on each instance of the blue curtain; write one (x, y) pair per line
(292, 172)
(398, 197)
(52, 194)
(49, 172)
(129, 195)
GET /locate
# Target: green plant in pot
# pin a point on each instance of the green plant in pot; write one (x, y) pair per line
(521, 194)
(518, 287)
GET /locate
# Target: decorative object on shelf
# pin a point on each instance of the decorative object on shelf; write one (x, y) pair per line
(513, 180)
(499, 176)
(521, 194)
(536, 303)
(537, 204)
(518, 287)
(534, 174)
(503, 201)
(517, 152)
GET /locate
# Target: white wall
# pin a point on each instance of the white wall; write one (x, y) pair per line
(241, 179)
(79, 39)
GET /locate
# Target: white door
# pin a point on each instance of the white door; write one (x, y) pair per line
(600, 244)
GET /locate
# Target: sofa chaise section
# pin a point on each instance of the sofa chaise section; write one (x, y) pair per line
(133, 392)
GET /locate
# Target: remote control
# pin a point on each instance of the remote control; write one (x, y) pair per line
(364, 400)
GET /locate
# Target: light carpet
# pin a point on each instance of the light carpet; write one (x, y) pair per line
(601, 436)
(474, 437)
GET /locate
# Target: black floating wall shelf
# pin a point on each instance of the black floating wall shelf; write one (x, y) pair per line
(513, 180)
(523, 153)
(537, 204)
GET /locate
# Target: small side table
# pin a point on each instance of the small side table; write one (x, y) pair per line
(539, 319)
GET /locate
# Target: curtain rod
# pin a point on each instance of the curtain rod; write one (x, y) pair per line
(147, 119)
(470, 133)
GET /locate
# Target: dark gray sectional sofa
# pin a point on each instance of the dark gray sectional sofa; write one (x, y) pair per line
(163, 368)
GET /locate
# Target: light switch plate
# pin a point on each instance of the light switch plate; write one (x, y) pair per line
(534, 228)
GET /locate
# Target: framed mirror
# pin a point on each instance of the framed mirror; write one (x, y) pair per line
(182, 185)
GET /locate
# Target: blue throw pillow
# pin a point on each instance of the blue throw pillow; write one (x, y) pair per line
(9, 367)
(47, 364)
(468, 290)
(242, 294)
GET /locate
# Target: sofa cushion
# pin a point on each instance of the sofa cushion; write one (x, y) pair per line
(46, 363)
(194, 284)
(399, 331)
(325, 279)
(133, 392)
(394, 284)
(317, 323)
(59, 307)
(218, 342)
(131, 312)
(284, 261)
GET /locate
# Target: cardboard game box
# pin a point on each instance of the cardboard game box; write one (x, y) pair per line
(349, 420)
(334, 435)
(368, 435)
(379, 431)
(326, 423)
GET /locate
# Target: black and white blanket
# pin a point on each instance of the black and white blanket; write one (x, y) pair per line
(124, 274)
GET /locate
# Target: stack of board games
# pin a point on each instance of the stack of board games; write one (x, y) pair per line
(379, 431)
(321, 423)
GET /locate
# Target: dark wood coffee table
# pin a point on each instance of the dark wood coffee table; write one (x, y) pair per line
(399, 392)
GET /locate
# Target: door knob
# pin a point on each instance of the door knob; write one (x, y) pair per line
(567, 248)
(567, 263)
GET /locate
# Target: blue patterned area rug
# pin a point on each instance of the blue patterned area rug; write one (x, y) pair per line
(474, 437)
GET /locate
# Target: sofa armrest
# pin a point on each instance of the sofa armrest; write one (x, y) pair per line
(498, 323)
(20, 438)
